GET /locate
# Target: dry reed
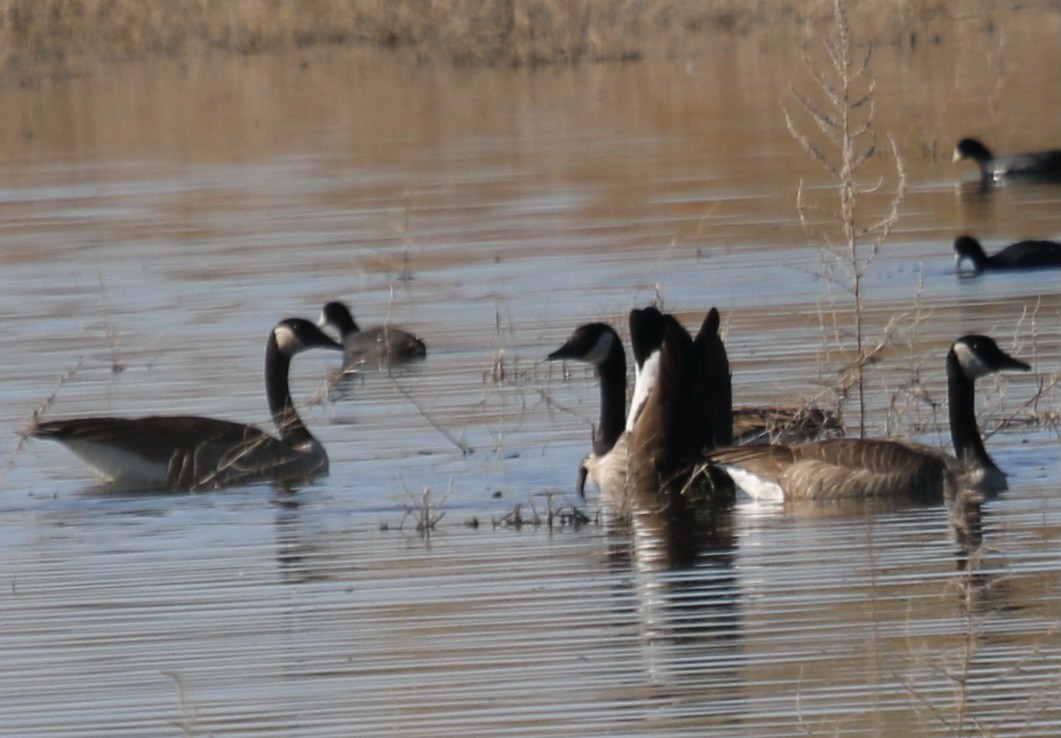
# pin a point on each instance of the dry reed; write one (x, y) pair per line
(518, 32)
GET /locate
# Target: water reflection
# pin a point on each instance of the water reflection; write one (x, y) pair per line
(982, 580)
(673, 563)
(301, 555)
(669, 534)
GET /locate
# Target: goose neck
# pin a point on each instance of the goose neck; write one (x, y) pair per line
(277, 388)
(964, 432)
(612, 373)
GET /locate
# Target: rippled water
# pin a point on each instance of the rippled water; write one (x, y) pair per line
(159, 218)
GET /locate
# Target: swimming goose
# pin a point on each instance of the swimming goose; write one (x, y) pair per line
(189, 452)
(1019, 255)
(885, 469)
(599, 345)
(380, 346)
(1044, 165)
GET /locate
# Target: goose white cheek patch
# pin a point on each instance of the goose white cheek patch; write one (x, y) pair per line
(286, 340)
(971, 364)
(600, 349)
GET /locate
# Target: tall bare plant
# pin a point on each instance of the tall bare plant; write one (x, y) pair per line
(845, 118)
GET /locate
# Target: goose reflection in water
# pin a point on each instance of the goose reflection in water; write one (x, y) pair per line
(677, 587)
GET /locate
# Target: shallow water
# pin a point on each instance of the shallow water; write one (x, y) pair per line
(158, 218)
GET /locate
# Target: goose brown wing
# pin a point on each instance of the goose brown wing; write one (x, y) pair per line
(152, 437)
(878, 469)
(713, 390)
(846, 468)
(194, 452)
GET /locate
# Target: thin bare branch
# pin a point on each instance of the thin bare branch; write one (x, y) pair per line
(463, 447)
(826, 123)
(835, 95)
(807, 145)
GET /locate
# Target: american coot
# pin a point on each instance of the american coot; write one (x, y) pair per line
(1020, 255)
(380, 346)
(1042, 165)
(884, 469)
(189, 452)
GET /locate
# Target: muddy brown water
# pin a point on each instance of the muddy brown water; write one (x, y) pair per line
(161, 216)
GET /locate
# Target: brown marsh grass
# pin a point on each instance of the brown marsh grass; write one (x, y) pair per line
(516, 32)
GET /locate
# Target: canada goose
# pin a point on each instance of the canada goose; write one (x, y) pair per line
(1019, 255)
(1044, 165)
(189, 452)
(599, 345)
(380, 346)
(884, 469)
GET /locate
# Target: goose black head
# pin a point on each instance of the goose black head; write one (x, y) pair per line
(593, 343)
(979, 356)
(295, 335)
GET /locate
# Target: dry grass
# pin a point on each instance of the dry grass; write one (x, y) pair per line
(559, 512)
(459, 31)
(37, 415)
(425, 514)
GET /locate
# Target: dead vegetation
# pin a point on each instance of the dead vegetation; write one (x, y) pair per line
(35, 417)
(559, 512)
(845, 146)
(470, 32)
